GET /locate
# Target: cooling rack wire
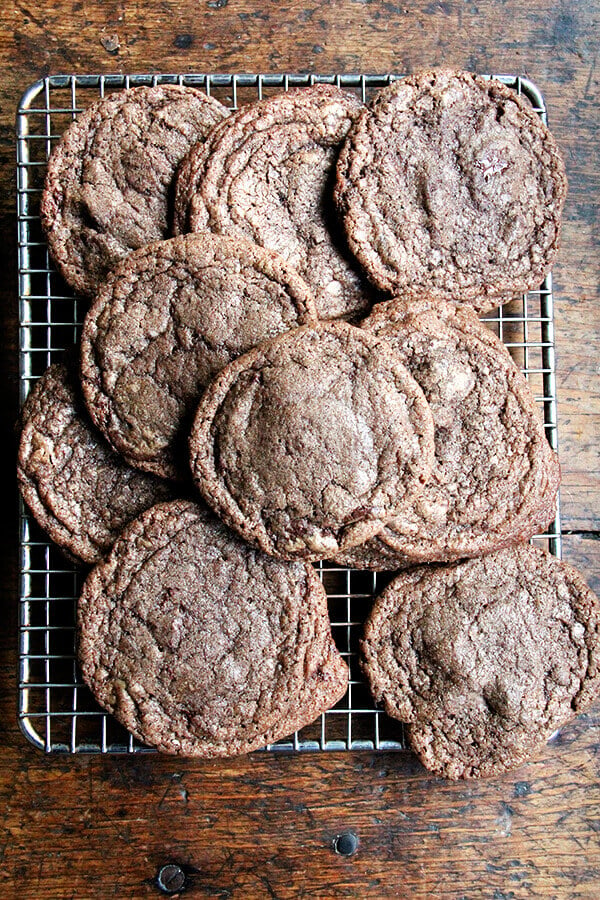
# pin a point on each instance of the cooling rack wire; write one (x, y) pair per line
(57, 713)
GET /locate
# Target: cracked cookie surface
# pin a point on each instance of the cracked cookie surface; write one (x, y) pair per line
(450, 185)
(166, 321)
(311, 442)
(109, 179)
(495, 477)
(266, 175)
(80, 491)
(484, 659)
(202, 646)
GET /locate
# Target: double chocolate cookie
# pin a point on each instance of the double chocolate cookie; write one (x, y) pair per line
(109, 179)
(266, 175)
(311, 442)
(168, 318)
(495, 477)
(202, 646)
(450, 185)
(484, 659)
(79, 490)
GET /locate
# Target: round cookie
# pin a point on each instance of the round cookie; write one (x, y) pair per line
(202, 646)
(484, 659)
(168, 318)
(449, 185)
(79, 490)
(265, 175)
(109, 179)
(495, 477)
(309, 443)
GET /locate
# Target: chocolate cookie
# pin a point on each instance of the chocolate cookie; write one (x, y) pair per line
(484, 659)
(450, 185)
(77, 488)
(109, 178)
(495, 477)
(266, 175)
(202, 646)
(311, 442)
(168, 318)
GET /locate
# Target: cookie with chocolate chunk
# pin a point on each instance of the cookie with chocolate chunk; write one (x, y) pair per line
(79, 490)
(168, 318)
(199, 644)
(484, 659)
(451, 186)
(265, 175)
(310, 443)
(109, 179)
(495, 477)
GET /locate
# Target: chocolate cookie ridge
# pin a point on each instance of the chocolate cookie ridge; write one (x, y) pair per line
(310, 443)
(79, 490)
(109, 179)
(168, 318)
(495, 477)
(266, 175)
(484, 659)
(200, 645)
(450, 185)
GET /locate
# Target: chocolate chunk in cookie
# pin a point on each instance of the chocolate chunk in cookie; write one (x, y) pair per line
(495, 477)
(79, 490)
(265, 175)
(202, 646)
(109, 179)
(167, 320)
(311, 442)
(484, 659)
(450, 185)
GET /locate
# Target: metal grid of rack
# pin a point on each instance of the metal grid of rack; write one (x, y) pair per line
(56, 711)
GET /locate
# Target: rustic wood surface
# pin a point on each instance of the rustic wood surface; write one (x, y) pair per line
(265, 826)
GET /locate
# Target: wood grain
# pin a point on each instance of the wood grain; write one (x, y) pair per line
(264, 826)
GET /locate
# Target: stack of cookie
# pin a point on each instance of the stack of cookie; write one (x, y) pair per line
(304, 356)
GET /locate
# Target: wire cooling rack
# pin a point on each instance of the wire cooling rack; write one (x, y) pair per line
(57, 713)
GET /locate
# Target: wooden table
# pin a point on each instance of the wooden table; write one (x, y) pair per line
(265, 826)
